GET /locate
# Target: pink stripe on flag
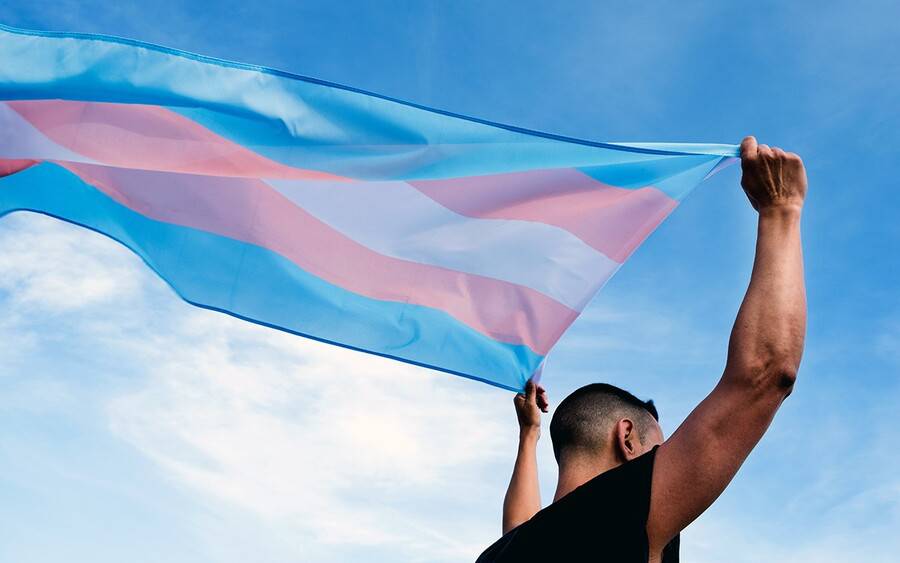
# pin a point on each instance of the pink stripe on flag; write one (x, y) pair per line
(612, 220)
(251, 211)
(8, 167)
(150, 138)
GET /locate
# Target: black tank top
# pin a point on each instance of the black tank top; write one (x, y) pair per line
(602, 521)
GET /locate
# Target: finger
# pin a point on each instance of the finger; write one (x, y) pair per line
(779, 160)
(530, 391)
(793, 160)
(542, 401)
(763, 151)
(748, 148)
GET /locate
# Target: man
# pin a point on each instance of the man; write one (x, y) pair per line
(624, 492)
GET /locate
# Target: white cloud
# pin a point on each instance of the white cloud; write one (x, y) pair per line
(324, 446)
(293, 429)
(43, 266)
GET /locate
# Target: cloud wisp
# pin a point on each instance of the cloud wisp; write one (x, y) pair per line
(325, 446)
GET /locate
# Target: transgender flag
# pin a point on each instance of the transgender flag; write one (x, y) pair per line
(336, 214)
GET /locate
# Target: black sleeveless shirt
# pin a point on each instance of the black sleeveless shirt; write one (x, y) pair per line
(602, 521)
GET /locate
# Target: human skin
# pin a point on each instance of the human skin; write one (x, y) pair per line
(523, 497)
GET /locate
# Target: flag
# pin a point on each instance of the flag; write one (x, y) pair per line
(326, 211)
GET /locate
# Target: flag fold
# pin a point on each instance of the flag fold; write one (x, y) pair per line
(322, 210)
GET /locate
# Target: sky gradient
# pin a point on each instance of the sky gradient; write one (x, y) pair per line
(135, 427)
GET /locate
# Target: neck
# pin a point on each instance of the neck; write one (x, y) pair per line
(577, 470)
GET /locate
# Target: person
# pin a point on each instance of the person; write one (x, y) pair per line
(624, 492)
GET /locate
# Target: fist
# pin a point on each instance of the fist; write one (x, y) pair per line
(771, 177)
(530, 405)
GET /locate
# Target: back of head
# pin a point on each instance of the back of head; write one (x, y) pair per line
(583, 421)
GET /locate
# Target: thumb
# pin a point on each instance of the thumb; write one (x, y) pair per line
(749, 148)
(530, 391)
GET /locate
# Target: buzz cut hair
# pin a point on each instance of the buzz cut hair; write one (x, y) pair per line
(582, 420)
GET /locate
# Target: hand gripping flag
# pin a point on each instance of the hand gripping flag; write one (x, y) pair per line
(340, 215)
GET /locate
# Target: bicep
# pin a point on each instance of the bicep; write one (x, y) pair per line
(697, 462)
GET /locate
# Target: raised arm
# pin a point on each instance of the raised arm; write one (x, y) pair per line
(696, 464)
(523, 497)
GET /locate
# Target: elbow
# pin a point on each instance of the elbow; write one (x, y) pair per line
(768, 376)
(784, 378)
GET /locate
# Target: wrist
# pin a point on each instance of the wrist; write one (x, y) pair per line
(529, 432)
(781, 211)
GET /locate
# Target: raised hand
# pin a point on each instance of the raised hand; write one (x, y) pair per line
(771, 177)
(530, 405)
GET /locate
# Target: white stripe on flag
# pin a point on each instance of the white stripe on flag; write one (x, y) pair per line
(395, 219)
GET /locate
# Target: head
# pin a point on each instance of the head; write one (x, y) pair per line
(601, 421)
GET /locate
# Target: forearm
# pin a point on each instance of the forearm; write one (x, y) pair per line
(767, 339)
(523, 497)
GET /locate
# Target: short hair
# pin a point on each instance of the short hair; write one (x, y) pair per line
(582, 420)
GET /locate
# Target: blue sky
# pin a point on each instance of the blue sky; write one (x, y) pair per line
(134, 427)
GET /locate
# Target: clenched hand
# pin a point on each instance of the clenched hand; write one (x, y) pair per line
(530, 404)
(771, 177)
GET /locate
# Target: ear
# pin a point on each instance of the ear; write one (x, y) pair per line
(628, 445)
